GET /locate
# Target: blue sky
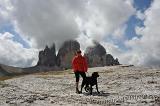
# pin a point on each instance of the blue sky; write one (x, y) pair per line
(140, 5)
(8, 27)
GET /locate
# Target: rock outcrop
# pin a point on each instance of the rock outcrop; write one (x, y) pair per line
(111, 61)
(66, 53)
(47, 57)
(96, 56)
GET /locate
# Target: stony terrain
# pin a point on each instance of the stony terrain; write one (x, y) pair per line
(118, 85)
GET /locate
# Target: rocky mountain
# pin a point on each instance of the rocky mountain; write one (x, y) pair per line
(47, 57)
(96, 56)
(10, 71)
(66, 53)
(111, 61)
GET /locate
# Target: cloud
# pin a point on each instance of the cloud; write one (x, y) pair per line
(14, 54)
(51, 21)
(104, 17)
(44, 22)
(140, 15)
(119, 33)
(5, 7)
(145, 50)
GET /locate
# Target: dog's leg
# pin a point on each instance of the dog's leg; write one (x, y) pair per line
(91, 89)
(97, 88)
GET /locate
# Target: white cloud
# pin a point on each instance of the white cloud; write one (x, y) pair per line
(119, 33)
(5, 7)
(45, 22)
(105, 17)
(85, 41)
(145, 50)
(56, 21)
(140, 15)
(112, 49)
(14, 54)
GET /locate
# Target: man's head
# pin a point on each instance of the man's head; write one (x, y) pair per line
(78, 52)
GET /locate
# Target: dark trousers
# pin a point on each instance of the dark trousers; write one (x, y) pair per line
(77, 73)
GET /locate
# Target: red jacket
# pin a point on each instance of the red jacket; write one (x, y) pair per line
(79, 64)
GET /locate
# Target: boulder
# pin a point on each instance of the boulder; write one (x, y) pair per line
(47, 57)
(66, 53)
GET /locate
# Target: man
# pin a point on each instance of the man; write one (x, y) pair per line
(79, 66)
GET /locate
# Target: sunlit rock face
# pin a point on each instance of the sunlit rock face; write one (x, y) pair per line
(96, 56)
(66, 53)
(47, 57)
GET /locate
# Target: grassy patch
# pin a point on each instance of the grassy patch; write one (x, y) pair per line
(65, 72)
(5, 78)
(53, 74)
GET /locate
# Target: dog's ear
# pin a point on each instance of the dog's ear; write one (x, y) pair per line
(95, 74)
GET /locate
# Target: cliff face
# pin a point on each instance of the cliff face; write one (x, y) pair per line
(66, 53)
(111, 61)
(47, 57)
(96, 55)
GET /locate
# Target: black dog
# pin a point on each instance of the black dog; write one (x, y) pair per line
(88, 82)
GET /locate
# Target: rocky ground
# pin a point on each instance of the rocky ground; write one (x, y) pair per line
(118, 85)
